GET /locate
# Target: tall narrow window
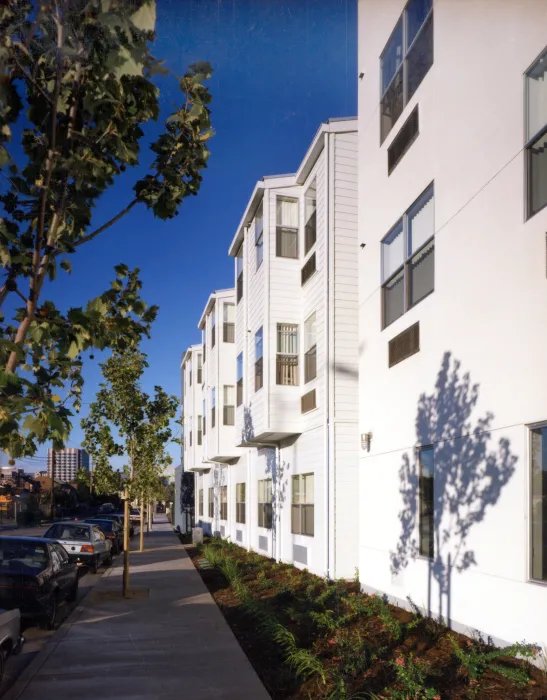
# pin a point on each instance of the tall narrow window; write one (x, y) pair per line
(287, 354)
(265, 503)
(239, 273)
(405, 61)
(229, 409)
(204, 343)
(213, 406)
(310, 233)
(240, 502)
(224, 503)
(536, 128)
(259, 236)
(204, 416)
(229, 325)
(211, 502)
(286, 245)
(259, 360)
(427, 522)
(213, 327)
(190, 372)
(190, 438)
(408, 259)
(200, 371)
(538, 504)
(310, 349)
(200, 502)
(239, 390)
(200, 430)
(302, 517)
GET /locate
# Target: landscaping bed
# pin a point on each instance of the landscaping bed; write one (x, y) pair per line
(310, 638)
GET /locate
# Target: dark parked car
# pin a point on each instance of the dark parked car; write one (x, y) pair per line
(118, 517)
(112, 531)
(85, 544)
(36, 576)
(106, 508)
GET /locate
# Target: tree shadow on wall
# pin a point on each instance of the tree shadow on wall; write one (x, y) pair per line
(469, 477)
(277, 470)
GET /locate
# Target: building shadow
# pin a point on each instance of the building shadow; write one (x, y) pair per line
(470, 472)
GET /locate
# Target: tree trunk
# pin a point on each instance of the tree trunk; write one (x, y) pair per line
(141, 526)
(126, 525)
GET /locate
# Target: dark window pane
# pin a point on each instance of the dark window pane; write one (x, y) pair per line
(537, 155)
(229, 334)
(310, 233)
(239, 291)
(310, 364)
(259, 374)
(307, 520)
(426, 502)
(268, 515)
(229, 415)
(308, 269)
(391, 105)
(296, 525)
(239, 392)
(404, 139)
(539, 503)
(416, 12)
(286, 242)
(394, 299)
(420, 58)
(422, 274)
(392, 55)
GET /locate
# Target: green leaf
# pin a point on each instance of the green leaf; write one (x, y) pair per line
(34, 425)
(55, 398)
(65, 264)
(5, 257)
(4, 157)
(145, 17)
(121, 270)
(73, 350)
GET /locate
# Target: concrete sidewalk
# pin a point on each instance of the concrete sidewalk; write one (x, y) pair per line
(169, 642)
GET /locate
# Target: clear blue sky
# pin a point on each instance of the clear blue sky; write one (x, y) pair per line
(281, 68)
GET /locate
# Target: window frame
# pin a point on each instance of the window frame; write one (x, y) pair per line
(239, 379)
(199, 378)
(542, 581)
(211, 502)
(204, 415)
(259, 235)
(213, 406)
(308, 247)
(265, 507)
(239, 273)
(200, 502)
(295, 355)
(228, 414)
(426, 518)
(200, 430)
(223, 501)
(310, 350)
(299, 506)
(290, 229)
(259, 359)
(228, 327)
(531, 140)
(241, 491)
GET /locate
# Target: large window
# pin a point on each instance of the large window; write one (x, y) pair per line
(310, 349)
(204, 416)
(200, 502)
(286, 241)
(229, 409)
(287, 354)
(200, 430)
(538, 505)
(240, 503)
(190, 372)
(239, 390)
(211, 502)
(224, 503)
(213, 327)
(259, 359)
(536, 134)
(259, 236)
(229, 323)
(265, 503)
(302, 505)
(405, 61)
(213, 407)
(408, 259)
(310, 233)
(200, 371)
(427, 468)
(239, 273)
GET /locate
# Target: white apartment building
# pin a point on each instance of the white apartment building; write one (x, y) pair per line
(453, 310)
(297, 360)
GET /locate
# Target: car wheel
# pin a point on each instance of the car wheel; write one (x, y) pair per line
(94, 568)
(109, 561)
(50, 615)
(73, 592)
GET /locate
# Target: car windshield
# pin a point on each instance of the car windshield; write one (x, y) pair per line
(18, 556)
(68, 532)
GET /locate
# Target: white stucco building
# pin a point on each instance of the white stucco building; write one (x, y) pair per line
(453, 310)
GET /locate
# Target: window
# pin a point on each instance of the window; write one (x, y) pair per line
(538, 505)
(408, 259)
(286, 235)
(200, 430)
(204, 344)
(536, 133)
(259, 360)
(229, 409)
(240, 502)
(211, 503)
(427, 464)
(190, 439)
(239, 390)
(405, 61)
(224, 503)
(308, 269)
(308, 402)
(213, 327)
(403, 141)
(404, 345)
(310, 349)
(265, 503)
(287, 354)
(200, 371)
(213, 406)
(259, 236)
(310, 232)
(239, 273)
(229, 325)
(302, 505)
(200, 502)
(190, 372)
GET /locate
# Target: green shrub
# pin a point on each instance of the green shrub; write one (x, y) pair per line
(410, 684)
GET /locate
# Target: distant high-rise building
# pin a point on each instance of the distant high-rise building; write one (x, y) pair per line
(67, 463)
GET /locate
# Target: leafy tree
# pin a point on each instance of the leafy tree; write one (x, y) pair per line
(77, 86)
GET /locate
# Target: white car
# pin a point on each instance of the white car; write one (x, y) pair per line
(84, 543)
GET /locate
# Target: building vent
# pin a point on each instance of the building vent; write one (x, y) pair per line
(300, 554)
(308, 402)
(239, 535)
(222, 531)
(308, 269)
(404, 345)
(403, 141)
(263, 543)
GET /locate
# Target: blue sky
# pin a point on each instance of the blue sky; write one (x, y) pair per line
(281, 68)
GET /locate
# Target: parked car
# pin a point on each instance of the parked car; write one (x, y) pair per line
(36, 576)
(85, 544)
(11, 639)
(107, 508)
(135, 515)
(118, 517)
(112, 531)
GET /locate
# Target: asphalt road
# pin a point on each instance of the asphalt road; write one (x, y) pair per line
(35, 637)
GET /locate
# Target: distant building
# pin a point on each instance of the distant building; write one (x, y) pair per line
(67, 463)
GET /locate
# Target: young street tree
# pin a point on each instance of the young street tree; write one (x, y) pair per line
(143, 428)
(77, 83)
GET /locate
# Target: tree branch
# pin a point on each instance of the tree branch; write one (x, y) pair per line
(108, 224)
